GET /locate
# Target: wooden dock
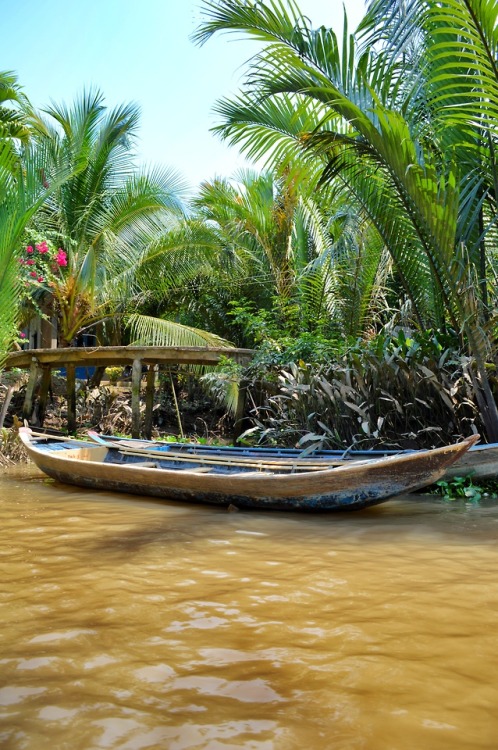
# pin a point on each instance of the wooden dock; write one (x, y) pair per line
(41, 362)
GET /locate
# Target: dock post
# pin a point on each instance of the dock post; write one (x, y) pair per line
(149, 401)
(71, 397)
(44, 388)
(240, 410)
(27, 410)
(136, 376)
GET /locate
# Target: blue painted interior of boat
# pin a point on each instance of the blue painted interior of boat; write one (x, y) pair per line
(48, 444)
(115, 457)
(262, 450)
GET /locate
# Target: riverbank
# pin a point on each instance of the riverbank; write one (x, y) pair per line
(187, 414)
(12, 450)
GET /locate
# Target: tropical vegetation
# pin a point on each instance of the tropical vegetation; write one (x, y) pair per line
(105, 217)
(401, 120)
(359, 259)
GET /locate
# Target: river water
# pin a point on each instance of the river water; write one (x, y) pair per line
(137, 624)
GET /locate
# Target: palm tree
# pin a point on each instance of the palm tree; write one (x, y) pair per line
(105, 217)
(453, 48)
(14, 128)
(256, 219)
(391, 139)
(294, 250)
(21, 196)
(247, 239)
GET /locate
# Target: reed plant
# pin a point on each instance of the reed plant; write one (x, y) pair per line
(391, 392)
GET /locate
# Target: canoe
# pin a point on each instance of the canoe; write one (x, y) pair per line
(264, 483)
(480, 461)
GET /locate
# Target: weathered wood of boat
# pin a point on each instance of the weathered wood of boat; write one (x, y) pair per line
(480, 461)
(265, 483)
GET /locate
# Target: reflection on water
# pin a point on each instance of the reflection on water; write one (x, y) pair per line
(139, 624)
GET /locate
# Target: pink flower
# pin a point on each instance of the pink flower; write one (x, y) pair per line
(30, 262)
(33, 274)
(40, 279)
(29, 249)
(61, 257)
(42, 247)
(22, 335)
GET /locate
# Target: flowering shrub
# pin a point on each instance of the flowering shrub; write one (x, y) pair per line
(53, 288)
(42, 265)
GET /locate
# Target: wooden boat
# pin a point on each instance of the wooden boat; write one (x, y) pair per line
(265, 483)
(480, 461)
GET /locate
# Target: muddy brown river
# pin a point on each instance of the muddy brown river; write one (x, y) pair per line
(137, 624)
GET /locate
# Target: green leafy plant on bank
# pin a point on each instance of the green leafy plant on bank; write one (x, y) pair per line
(463, 488)
(393, 391)
(114, 374)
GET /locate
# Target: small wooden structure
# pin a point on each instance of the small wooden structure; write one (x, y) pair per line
(41, 362)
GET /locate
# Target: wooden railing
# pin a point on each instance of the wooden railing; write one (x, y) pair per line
(41, 362)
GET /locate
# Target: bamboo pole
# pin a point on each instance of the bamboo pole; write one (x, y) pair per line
(47, 436)
(177, 408)
(6, 403)
(242, 461)
(142, 448)
(240, 409)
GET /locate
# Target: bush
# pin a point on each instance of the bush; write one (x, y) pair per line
(391, 391)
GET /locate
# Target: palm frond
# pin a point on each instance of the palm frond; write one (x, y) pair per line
(148, 331)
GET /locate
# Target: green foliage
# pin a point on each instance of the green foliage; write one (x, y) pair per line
(106, 213)
(396, 390)
(274, 343)
(22, 193)
(284, 256)
(146, 330)
(459, 488)
(114, 374)
(413, 146)
(223, 383)
(14, 128)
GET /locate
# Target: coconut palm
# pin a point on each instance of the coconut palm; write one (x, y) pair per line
(453, 49)
(105, 217)
(21, 195)
(14, 128)
(391, 139)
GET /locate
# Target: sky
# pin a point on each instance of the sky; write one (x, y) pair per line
(141, 51)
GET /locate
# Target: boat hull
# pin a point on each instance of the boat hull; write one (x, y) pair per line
(336, 501)
(353, 486)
